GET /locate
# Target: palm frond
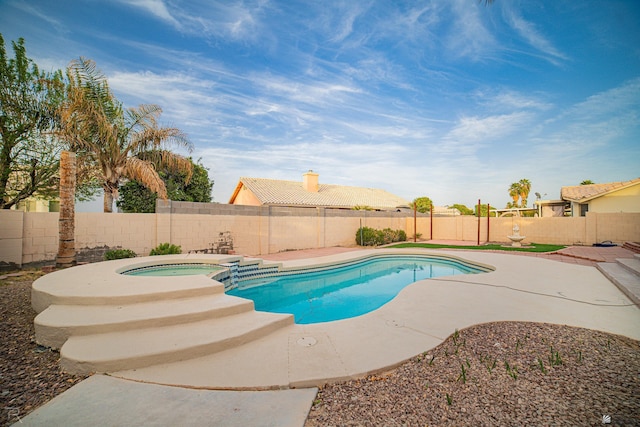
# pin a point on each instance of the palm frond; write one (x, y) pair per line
(164, 159)
(145, 173)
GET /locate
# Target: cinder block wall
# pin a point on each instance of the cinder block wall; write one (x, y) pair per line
(32, 237)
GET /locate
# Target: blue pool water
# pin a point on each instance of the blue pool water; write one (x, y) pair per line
(344, 292)
(174, 270)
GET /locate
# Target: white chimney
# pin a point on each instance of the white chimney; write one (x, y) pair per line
(310, 181)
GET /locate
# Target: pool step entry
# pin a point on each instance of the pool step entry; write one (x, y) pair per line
(116, 351)
(245, 270)
(59, 322)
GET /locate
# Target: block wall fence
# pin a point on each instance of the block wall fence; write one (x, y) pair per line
(31, 238)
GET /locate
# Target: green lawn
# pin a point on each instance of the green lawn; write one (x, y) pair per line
(533, 247)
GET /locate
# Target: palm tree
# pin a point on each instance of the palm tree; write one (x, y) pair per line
(525, 188)
(66, 224)
(111, 140)
(514, 192)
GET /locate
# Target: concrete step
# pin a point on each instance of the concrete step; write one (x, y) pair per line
(118, 351)
(632, 246)
(631, 264)
(59, 322)
(116, 289)
(625, 280)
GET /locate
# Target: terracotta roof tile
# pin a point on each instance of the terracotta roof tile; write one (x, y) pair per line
(582, 193)
(292, 193)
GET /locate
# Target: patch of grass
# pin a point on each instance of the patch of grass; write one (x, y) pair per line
(533, 247)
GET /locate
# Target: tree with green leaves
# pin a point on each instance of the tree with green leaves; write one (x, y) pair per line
(483, 210)
(525, 188)
(587, 182)
(29, 154)
(111, 140)
(519, 193)
(421, 204)
(514, 193)
(464, 210)
(136, 198)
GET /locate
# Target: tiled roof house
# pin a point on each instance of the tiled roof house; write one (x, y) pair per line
(623, 196)
(309, 192)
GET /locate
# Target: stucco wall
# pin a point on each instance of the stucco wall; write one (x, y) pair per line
(246, 197)
(627, 200)
(32, 238)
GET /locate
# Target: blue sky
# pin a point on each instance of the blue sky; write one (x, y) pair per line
(453, 100)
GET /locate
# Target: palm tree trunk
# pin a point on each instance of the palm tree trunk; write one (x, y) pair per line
(109, 192)
(66, 226)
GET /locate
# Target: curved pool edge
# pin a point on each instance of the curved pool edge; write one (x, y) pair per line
(102, 282)
(417, 320)
(301, 295)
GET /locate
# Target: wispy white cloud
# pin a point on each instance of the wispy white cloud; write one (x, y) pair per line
(505, 99)
(346, 14)
(469, 131)
(534, 37)
(469, 37)
(616, 100)
(240, 21)
(34, 11)
(156, 8)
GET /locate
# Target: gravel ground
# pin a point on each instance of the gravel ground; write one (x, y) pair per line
(506, 373)
(498, 374)
(29, 374)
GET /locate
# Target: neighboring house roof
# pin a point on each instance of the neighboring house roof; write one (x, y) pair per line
(585, 193)
(292, 193)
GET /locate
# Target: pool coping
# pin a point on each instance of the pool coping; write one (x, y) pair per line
(422, 316)
(418, 319)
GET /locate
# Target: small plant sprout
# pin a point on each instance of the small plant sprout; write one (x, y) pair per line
(555, 358)
(490, 364)
(511, 370)
(432, 359)
(455, 337)
(463, 374)
(541, 365)
(449, 399)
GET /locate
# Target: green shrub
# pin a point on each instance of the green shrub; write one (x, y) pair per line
(119, 254)
(367, 236)
(166, 249)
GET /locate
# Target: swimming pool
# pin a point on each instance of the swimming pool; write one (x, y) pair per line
(173, 270)
(335, 293)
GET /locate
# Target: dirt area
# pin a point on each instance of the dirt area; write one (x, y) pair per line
(29, 374)
(506, 373)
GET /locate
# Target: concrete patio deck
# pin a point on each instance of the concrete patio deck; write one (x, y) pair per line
(529, 288)
(521, 288)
